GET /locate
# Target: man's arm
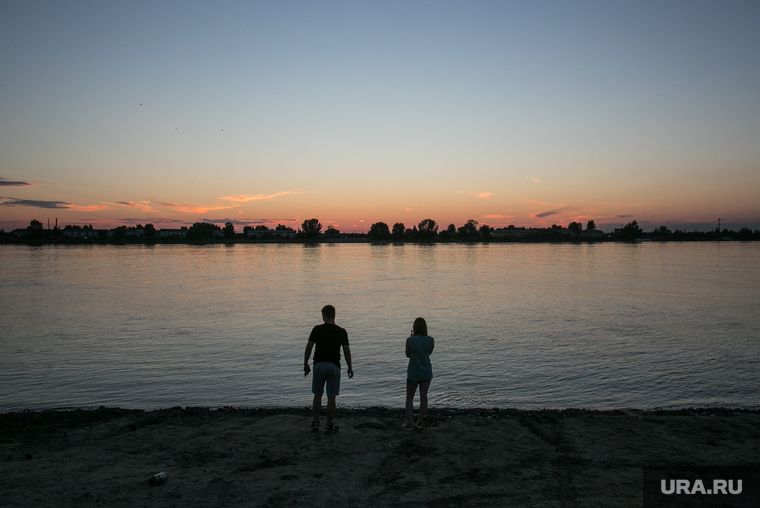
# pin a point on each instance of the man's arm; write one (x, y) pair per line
(306, 356)
(347, 356)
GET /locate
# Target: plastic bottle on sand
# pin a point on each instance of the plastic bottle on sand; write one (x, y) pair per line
(158, 479)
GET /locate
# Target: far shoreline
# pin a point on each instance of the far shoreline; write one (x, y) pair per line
(692, 238)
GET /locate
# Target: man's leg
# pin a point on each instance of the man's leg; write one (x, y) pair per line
(424, 385)
(330, 409)
(333, 389)
(317, 404)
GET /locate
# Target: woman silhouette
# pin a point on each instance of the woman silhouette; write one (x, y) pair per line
(419, 346)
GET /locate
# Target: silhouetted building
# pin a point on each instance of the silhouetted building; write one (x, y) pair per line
(271, 233)
(173, 232)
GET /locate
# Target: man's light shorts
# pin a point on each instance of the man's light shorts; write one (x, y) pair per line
(325, 372)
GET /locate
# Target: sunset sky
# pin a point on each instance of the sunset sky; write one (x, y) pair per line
(525, 113)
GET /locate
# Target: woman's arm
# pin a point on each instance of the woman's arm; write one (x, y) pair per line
(408, 351)
(432, 347)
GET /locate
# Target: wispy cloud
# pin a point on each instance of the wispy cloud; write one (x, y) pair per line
(11, 183)
(60, 205)
(625, 216)
(142, 205)
(496, 216)
(150, 220)
(554, 205)
(244, 198)
(484, 195)
(195, 208)
(89, 208)
(291, 221)
(534, 180)
(34, 203)
(541, 215)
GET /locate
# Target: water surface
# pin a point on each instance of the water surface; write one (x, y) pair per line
(516, 325)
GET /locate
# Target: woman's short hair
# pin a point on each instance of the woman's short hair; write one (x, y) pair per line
(419, 327)
(328, 311)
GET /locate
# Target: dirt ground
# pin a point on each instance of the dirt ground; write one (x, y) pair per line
(270, 457)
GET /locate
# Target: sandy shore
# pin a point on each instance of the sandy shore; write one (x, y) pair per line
(269, 457)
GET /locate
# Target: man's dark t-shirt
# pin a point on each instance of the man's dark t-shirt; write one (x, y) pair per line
(328, 339)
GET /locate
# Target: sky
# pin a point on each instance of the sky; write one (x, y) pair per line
(524, 113)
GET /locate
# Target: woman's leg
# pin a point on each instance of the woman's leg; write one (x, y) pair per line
(411, 388)
(424, 385)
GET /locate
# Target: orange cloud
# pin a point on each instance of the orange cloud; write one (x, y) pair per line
(484, 195)
(141, 205)
(89, 208)
(534, 180)
(244, 198)
(192, 208)
(496, 216)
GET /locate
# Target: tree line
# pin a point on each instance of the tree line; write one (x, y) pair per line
(425, 230)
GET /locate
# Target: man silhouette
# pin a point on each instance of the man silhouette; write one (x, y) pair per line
(329, 338)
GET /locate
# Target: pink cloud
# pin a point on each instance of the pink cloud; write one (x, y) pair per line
(193, 208)
(89, 208)
(141, 205)
(244, 198)
(484, 195)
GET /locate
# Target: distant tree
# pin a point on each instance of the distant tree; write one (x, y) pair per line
(283, 227)
(427, 229)
(261, 227)
(662, 231)
(118, 233)
(485, 231)
(631, 231)
(590, 225)
(228, 230)
(555, 227)
(311, 228)
(575, 227)
(35, 229)
(379, 231)
(469, 231)
(398, 231)
(448, 234)
(202, 231)
(150, 230)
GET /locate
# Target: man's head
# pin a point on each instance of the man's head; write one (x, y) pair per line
(328, 314)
